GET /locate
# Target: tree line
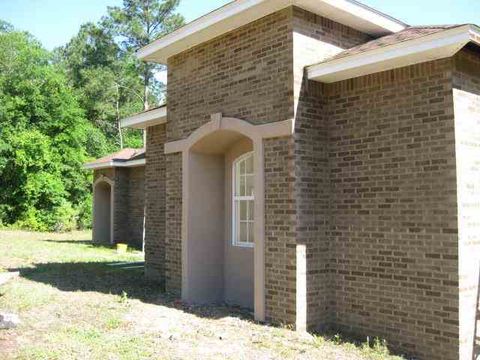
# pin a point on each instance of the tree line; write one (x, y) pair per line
(60, 109)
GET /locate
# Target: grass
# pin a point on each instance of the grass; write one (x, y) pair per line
(79, 301)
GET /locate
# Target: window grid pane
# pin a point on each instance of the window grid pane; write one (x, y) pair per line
(243, 206)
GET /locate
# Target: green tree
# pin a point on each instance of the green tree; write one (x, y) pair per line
(44, 139)
(5, 26)
(105, 81)
(138, 23)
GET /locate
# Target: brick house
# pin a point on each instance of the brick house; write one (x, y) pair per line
(119, 198)
(318, 163)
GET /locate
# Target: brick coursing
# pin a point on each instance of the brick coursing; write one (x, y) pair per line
(120, 206)
(280, 246)
(366, 188)
(128, 209)
(249, 74)
(173, 236)
(466, 90)
(136, 206)
(311, 192)
(393, 209)
(155, 175)
(246, 74)
(315, 38)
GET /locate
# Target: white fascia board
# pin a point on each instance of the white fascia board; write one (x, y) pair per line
(241, 12)
(428, 48)
(146, 119)
(131, 163)
(355, 15)
(475, 34)
(215, 23)
(112, 164)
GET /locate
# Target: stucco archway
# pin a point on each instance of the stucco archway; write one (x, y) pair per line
(256, 134)
(217, 136)
(103, 210)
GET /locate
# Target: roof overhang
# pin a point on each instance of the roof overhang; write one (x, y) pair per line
(241, 12)
(146, 119)
(431, 47)
(115, 163)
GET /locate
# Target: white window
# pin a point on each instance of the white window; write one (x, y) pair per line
(243, 201)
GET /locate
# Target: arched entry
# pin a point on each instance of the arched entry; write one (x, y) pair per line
(219, 242)
(207, 211)
(103, 211)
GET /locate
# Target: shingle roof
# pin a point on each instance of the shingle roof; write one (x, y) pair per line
(408, 34)
(122, 156)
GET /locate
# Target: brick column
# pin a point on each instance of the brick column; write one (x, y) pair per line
(155, 204)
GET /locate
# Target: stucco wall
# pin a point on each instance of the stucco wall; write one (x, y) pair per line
(110, 175)
(204, 268)
(393, 229)
(238, 268)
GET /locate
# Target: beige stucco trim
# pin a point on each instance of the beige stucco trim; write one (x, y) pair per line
(256, 133)
(259, 218)
(264, 131)
(301, 291)
(185, 202)
(115, 163)
(107, 180)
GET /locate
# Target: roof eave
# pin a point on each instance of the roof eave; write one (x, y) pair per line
(432, 47)
(241, 12)
(145, 119)
(115, 163)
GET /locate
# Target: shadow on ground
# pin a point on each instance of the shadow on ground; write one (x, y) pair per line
(81, 242)
(137, 247)
(119, 278)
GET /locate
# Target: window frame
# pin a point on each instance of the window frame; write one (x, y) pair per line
(235, 199)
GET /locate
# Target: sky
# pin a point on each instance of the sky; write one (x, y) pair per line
(55, 22)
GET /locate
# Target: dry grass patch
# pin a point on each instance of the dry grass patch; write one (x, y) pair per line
(79, 301)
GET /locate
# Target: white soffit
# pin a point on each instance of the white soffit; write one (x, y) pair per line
(146, 119)
(115, 163)
(431, 47)
(241, 12)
